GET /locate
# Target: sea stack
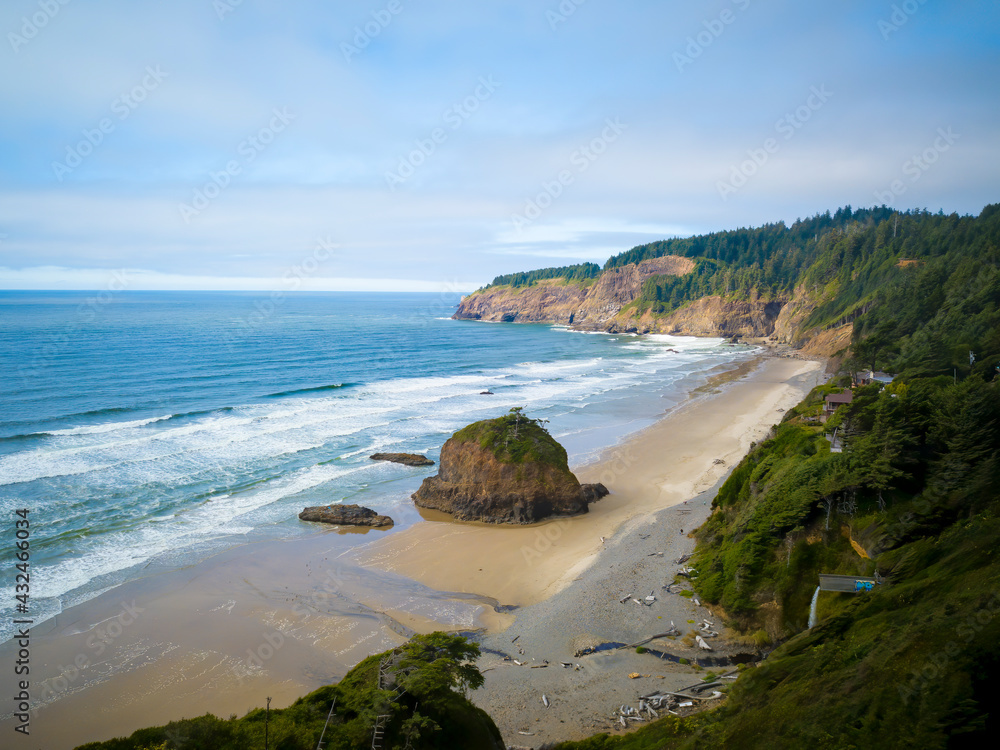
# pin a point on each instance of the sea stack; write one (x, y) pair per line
(505, 470)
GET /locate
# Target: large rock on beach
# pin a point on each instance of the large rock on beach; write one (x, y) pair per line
(345, 515)
(505, 470)
(408, 459)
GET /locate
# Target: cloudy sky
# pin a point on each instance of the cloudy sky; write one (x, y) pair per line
(405, 145)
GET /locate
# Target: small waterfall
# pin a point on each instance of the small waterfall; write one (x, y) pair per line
(812, 609)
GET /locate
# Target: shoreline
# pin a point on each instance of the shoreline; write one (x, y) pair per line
(713, 425)
(282, 618)
(568, 584)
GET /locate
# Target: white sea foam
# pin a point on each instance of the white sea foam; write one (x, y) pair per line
(228, 472)
(98, 429)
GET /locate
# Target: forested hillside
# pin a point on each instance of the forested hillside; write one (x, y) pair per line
(912, 498)
(579, 272)
(923, 283)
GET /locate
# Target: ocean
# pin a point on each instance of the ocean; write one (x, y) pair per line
(145, 431)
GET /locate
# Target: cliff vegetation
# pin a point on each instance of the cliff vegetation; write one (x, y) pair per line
(909, 499)
(803, 283)
(419, 689)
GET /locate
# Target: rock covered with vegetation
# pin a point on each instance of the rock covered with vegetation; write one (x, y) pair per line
(418, 689)
(505, 470)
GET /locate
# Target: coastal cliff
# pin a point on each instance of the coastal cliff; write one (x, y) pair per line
(546, 302)
(587, 305)
(753, 317)
(505, 470)
(616, 302)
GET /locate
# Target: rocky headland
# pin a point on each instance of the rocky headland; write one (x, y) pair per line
(345, 515)
(505, 470)
(606, 305)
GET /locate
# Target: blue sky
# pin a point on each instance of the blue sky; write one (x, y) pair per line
(403, 145)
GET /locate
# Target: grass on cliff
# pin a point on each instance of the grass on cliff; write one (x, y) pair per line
(515, 439)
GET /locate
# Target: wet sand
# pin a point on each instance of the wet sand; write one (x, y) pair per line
(568, 583)
(678, 457)
(282, 618)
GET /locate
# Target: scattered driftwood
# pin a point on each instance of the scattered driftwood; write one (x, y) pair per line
(701, 643)
(682, 559)
(545, 700)
(672, 631)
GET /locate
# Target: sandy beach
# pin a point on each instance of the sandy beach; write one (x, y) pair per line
(282, 618)
(567, 582)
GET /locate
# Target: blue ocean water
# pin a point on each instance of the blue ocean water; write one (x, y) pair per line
(160, 427)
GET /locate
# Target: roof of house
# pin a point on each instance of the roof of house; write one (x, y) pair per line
(840, 398)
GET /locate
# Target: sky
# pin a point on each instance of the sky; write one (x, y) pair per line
(400, 145)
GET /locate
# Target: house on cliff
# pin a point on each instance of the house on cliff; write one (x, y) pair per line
(872, 376)
(833, 401)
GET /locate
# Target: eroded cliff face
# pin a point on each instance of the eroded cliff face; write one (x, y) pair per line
(790, 327)
(546, 302)
(617, 287)
(603, 306)
(573, 303)
(709, 316)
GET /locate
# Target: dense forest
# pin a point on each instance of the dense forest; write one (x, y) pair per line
(923, 285)
(580, 272)
(911, 498)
